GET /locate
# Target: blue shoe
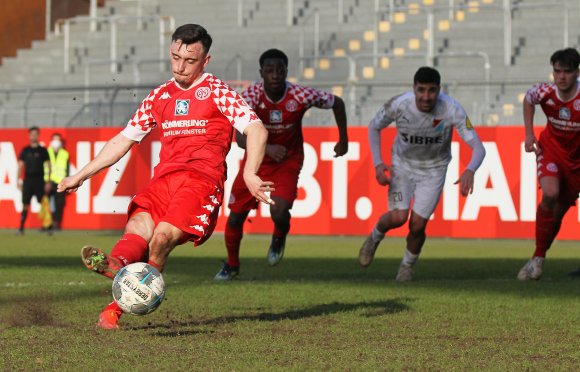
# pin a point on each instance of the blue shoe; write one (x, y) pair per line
(276, 251)
(227, 272)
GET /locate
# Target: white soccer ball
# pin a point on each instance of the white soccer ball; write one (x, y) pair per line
(138, 288)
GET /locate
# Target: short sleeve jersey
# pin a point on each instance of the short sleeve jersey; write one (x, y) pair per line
(196, 125)
(562, 133)
(283, 119)
(34, 158)
(423, 140)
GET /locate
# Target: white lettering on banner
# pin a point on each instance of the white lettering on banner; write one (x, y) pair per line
(105, 202)
(339, 175)
(83, 194)
(155, 149)
(308, 206)
(450, 190)
(233, 160)
(498, 195)
(528, 185)
(8, 171)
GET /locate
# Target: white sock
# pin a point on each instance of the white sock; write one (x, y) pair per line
(376, 235)
(409, 259)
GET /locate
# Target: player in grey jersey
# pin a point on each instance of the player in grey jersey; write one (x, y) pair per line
(425, 119)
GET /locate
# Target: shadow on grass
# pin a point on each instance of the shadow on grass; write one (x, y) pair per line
(370, 309)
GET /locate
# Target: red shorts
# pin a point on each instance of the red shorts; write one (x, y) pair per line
(285, 178)
(184, 200)
(550, 164)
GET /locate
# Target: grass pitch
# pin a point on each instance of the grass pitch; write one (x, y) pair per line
(316, 311)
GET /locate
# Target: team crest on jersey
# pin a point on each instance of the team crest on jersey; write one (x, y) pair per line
(438, 124)
(291, 105)
(564, 113)
(202, 93)
(577, 105)
(552, 167)
(275, 116)
(181, 107)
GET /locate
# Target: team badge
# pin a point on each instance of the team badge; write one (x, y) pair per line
(552, 167)
(564, 113)
(291, 105)
(436, 122)
(577, 105)
(275, 116)
(202, 93)
(181, 107)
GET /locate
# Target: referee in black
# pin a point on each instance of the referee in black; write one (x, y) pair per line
(31, 164)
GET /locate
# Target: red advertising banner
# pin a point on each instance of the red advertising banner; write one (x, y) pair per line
(336, 195)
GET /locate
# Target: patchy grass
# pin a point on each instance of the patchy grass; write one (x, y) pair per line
(316, 311)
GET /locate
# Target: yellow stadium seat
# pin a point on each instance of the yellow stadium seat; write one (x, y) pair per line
(425, 34)
(427, 2)
(413, 8)
(384, 26)
(473, 6)
(399, 17)
(337, 90)
(368, 72)
(444, 25)
(324, 63)
(414, 44)
(308, 73)
(340, 52)
(521, 97)
(460, 16)
(508, 109)
(399, 52)
(369, 36)
(385, 63)
(354, 45)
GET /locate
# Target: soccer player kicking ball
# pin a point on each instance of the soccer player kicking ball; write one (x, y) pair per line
(196, 114)
(425, 119)
(557, 152)
(281, 106)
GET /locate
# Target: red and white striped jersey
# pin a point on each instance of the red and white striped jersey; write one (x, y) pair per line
(283, 119)
(196, 125)
(562, 133)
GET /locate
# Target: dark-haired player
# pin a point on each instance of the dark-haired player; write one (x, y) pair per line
(281, 106)
(557, 152)
(425, 119)
(196, 114)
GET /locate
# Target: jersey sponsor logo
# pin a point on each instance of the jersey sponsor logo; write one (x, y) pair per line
(165, 95)
(421, 140)
(181, 107)
(291, 105)
(275, 116)
(564, 113)
(171, 124)
(202, 93)
(468, 124)
(552, 167)
(577, 105)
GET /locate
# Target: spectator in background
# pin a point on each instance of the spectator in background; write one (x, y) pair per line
(31, 173)
(59, 164)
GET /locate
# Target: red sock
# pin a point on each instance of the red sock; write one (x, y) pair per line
(233, 237)
(545, 231)
(114, 307)
(130, 248)
(155, 265)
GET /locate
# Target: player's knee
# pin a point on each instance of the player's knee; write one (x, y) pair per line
(236, 220)
(550, 196)
(280, 214)
(139, 226)
(160, 240)
(417, 228)
(398, 218)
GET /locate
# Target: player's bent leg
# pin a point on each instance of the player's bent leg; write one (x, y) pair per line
(387, 221)
(415, 240)
(280, 213)
(165, 238)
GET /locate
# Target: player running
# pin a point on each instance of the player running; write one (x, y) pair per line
(557, 152)
(281, 106)
(425, 119)
(196, 114)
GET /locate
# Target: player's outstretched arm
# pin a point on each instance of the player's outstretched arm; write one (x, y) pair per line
(531, 143)
(113, 150)
(256, 136)
(339, 111)
(466, 179)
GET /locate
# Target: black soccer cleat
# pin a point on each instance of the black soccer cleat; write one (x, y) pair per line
(276, 251)
(227, 272)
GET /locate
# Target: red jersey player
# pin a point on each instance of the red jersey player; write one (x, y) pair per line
(196, 114)
(557, 151)
(281, 106)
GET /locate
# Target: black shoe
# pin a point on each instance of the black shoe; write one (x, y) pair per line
(575, 273)
(20, 232)
(276, 251)
(227, 272)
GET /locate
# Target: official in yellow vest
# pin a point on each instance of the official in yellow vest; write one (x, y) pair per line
(59, 161)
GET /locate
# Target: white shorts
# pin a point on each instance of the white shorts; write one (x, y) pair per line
(424, 189)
